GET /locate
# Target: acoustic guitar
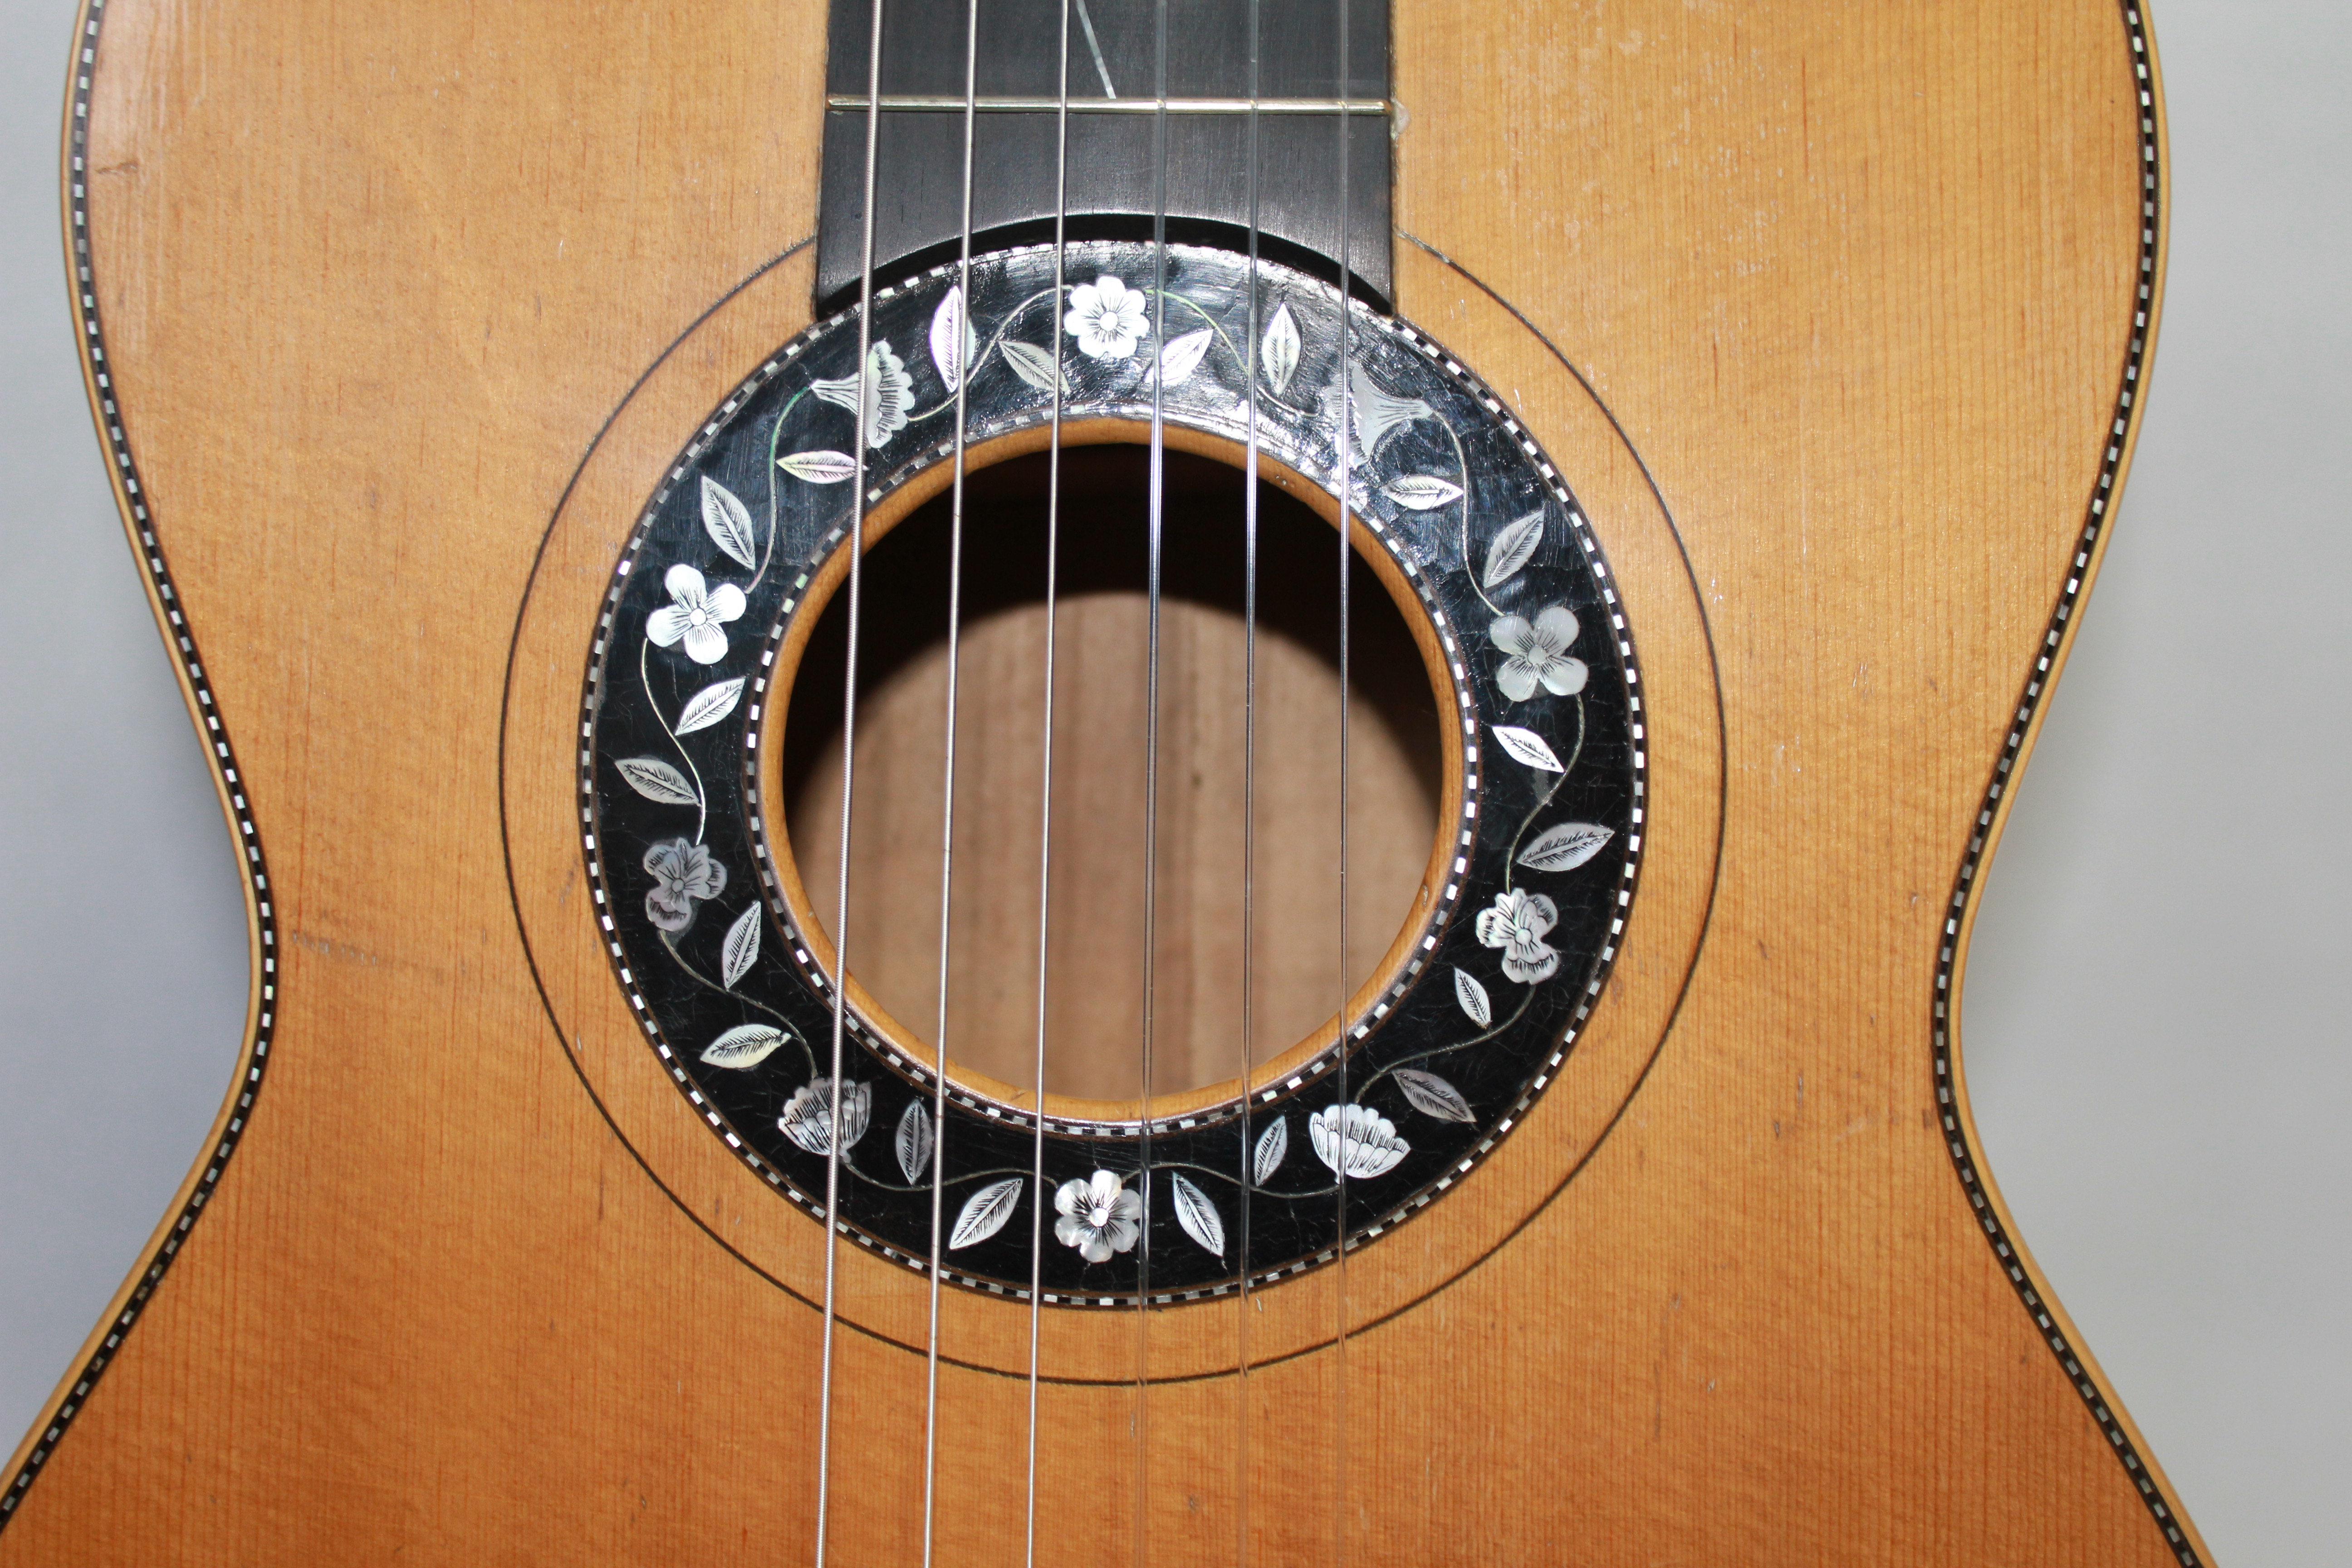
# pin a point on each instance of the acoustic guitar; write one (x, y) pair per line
(1076, 781)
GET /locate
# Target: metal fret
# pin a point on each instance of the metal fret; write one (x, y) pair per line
(855, 103)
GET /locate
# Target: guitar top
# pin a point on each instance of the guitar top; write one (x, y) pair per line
(1402, 962)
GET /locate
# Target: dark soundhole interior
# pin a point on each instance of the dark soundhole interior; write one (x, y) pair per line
(1094, 937)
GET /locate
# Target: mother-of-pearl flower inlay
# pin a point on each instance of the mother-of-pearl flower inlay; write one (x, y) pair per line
(1517, 924)
(1536, 654)
(1372, 411)
(696, 615)
(1106, 318)
(1099, 1216)
(808, 1116)
(684, 874)
(888, 393)
(1356, 1142)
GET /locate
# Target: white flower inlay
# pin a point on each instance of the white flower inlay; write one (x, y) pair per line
(1537, 654)
(807, 1120)
(890, 390)
(1106, 318)
(1099, 1216)
(696, 613)
(1517, 924)
(1373, 409)
(1355, 1140)
(684, 874)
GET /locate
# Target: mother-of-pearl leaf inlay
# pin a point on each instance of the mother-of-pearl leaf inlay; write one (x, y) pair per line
(743, 1047)
(1528, 747)
(1278, 349)
(985, 1212)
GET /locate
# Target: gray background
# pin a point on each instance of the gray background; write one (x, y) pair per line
(2156, 1001)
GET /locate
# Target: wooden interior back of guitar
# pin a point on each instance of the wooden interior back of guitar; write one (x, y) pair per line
(1837, 315)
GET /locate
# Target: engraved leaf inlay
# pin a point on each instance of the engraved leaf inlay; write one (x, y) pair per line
(745, 1046)
(1528, 746)
(1566, 846)
(726, 520)
(1422, 492)
(1513, 549)
(1272, 1145)
(741, 948)
(1034, 365)
(1278, 349)
(1180, 357)
(1197, 1214)
(1432, 1095)
(710, 705)
(913, 1141)
(948, 324)
(985, 1212)
(656, 780)
(1472, 997)
(819, 466)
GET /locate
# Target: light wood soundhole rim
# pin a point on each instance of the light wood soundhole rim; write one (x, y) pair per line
(802, 910)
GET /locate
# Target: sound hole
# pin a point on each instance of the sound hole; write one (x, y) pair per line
(1096, 968)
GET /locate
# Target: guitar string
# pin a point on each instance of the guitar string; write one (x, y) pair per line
(866, 394)
(1156, 514)
(958, 356)
(1045, 790)
(1249, 832)
(1340, 1254)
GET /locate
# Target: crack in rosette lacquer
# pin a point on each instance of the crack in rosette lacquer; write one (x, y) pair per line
(1543, 703)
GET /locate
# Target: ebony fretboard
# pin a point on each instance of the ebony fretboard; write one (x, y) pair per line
(1114, 189)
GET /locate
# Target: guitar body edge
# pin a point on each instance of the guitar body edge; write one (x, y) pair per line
(305, 1354)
